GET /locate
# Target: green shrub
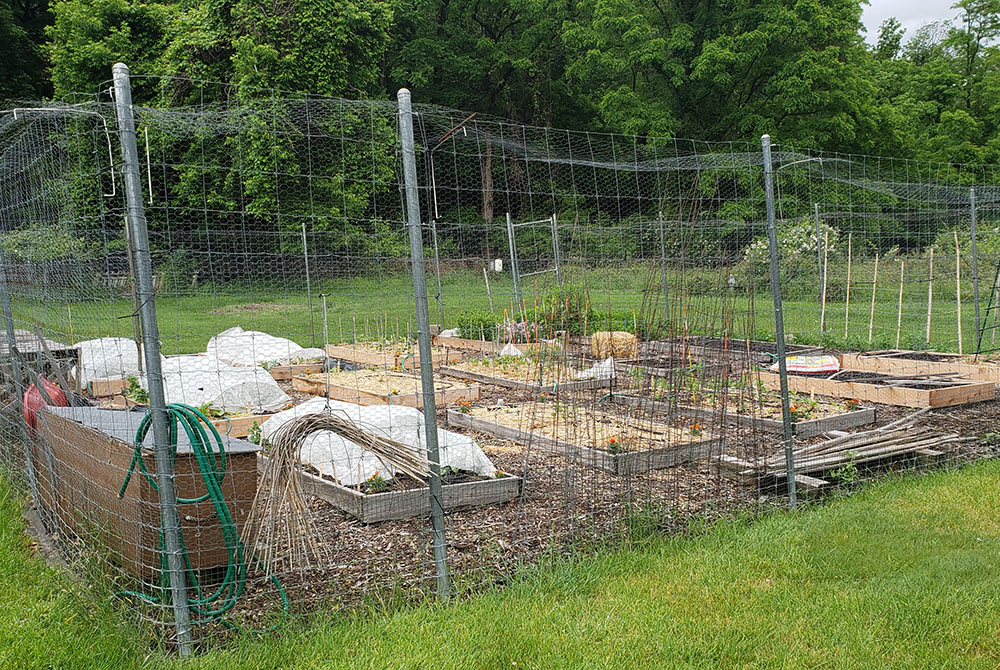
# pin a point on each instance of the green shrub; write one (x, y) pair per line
(478, 324)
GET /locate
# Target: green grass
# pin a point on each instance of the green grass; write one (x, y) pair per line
(365, 308)
(904, 574)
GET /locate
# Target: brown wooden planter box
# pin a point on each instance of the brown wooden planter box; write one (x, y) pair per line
(81, 456)
(376, 507)
(239, 426)
(947, 396)
(808, 428)
(105, 388)
(389, 359)
(442, 397)
(464, 344)
(286, 372)
(527, 386)
(624, 463)
(896, 363)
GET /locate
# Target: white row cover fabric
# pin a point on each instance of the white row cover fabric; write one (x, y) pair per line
(107, 358)
(810, 364)
(252, 347)
(199, 380)
(349, 464)
(603, 370)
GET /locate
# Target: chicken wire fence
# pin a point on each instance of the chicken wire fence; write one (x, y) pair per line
(596, 341)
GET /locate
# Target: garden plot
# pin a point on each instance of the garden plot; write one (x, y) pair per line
(901, 362)
(394, 355)
(382, 387)
(607, 441)
(885, 389)
(536, 373)
(752, 351)
(742, 402)
(358, 482)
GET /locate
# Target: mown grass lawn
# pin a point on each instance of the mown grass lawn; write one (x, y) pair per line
(904, 574)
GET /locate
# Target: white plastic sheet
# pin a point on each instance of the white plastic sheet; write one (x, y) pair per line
(200, 380)
(252, 347)
(603, 370)
(350, 464)
(107, 358)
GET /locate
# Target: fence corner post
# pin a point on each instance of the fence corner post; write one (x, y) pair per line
(423, 339)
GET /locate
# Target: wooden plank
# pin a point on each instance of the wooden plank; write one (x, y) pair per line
(527, 386)
(629, 462)
(808, 428)
(481, 346)
(810, 483)
(893, 362)
(286, 372)
(239, 426)
(903, 396)
(377, 507)
(103, 388)
(442, 397)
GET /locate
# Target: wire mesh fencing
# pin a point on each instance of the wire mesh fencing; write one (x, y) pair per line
(597, 344)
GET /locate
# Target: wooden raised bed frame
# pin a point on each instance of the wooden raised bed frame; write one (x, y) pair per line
(376, 507)
(624, 463)
(895, 363)
(809, 428)
(359, 397)
(948, 396)
(286, 372)
(527, 386)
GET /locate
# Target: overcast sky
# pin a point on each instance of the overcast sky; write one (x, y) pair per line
(911, 13)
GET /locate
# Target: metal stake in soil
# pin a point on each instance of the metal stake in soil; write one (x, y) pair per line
(424, 339)
(139, 237)
(309, 295)
(779, 322)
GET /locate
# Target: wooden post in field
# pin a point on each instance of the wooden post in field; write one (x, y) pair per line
(847, 301)
(871, 315)
(899, 312)
(958, 289)
(822, 309)
(930, 297)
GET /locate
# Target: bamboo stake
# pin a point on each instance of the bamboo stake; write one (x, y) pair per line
(899, 309)
(847, 301)
(489, 294)
(958, 289)
(822, 310)
(930, 297)
(871, 315)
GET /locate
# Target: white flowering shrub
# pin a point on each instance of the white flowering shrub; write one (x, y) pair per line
(797, 249)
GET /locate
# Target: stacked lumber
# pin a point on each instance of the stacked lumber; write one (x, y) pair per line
(893, 440)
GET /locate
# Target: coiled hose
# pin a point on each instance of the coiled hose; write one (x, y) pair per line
(210, 456)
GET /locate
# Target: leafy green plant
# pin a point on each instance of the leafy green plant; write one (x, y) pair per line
(376, 484)
(478, 324)
(134, 392)
(848, 473)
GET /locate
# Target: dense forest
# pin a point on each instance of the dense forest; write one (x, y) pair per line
(802, 70)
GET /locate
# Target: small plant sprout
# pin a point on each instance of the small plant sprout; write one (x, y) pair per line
(464, 406)
(695, 429)
(614, 446)
(376, 484)
(394, 392)
(853, 405)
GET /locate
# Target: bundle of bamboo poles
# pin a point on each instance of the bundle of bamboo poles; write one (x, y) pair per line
(279, 527)
(894, 439)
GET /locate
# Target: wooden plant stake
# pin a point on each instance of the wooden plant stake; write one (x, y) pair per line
(847, 301)
(489, 293)
(871, 315)
(899, 309)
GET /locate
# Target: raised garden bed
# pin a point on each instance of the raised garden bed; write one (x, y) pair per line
(610, 443)
(522, 373)
(904, 362)
(382, 387)
(286, 372)
(802, 428)
(713, 347)
(874, 388)
(394, 357)
(406, 504)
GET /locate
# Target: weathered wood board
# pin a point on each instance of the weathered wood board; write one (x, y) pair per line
(895, 363)
(103, 388)
(442, 397)
(948, 396)
(239, 426)
(376, 507)
(624, 463)
(286, 372)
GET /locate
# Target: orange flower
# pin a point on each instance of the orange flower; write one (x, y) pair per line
(612, 440)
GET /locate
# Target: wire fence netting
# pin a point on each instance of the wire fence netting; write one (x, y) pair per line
(604, 340)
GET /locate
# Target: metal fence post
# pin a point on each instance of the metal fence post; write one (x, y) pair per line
(819, 265)
(515, 275)
(423, 339)
(663, 272)
(139, 237)
(779, 322)
(309, 295)
(975, 262)
(555, 249)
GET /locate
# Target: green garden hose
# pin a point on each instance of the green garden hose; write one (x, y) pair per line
(210, 455)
